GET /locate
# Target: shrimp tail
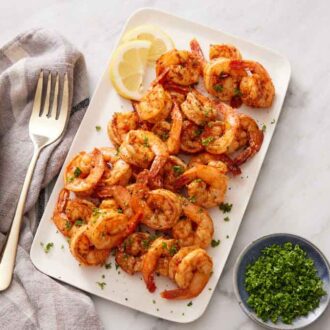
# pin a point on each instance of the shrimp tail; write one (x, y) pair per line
(181, 181)
(232, 165)
(157, 165)
(197, 50)
(161, 79)
(133, 222)
(176, 294)
(151, 286)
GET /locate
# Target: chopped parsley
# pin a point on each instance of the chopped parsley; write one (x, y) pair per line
(145, 141)
(283, 283)
(79, 222)
(198, 131)
(189, 304)
(120, 210)
(198, 180)
(178, 169)
(117, 266)
(101, 284)
(264, 127)
(98, 128)
(48, 247)
(227, 236)
(273, 121)
(225, 207)
(173, 250)
(108, 266)
(164, 245)
(218, 88)
(215, 243)
(77, 172)
(237, 92)
(68, 225)
(192, 199)
(208, 140)
(62, 247)
(164, 136)
(154, 301)
(226, 219)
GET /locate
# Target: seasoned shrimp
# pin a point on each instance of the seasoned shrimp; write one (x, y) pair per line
(224, 50)
(155, 105)
(84, 171)
(84, 251)
(170, 133)
(161, 247)
(120, 124)
(191, 137)
(191, 276)
(206, 185)
(117, 171)
(249, 137)
(70, 214)
(180, 67)
(256, 88)
(196, 228)
(142, 148)
(107, 228)
(214, 142)
(198, 108)
(109, 204)
(221, 75)
(223, 162)
(172, 169)
(130, 253)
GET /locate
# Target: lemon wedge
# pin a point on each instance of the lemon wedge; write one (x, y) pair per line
(160, 41)
(128, 66)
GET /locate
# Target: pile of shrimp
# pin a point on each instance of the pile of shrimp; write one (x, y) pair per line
(139, 198)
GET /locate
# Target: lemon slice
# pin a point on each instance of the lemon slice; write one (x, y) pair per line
(161, 42)
(127, 68)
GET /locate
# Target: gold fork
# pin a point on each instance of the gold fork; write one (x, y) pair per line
(47, 124)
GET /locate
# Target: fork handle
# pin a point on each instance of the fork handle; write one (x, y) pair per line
(7, 260)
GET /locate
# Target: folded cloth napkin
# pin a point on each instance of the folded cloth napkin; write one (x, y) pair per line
(35, 301)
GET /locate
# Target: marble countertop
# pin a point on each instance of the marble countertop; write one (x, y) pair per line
(292, 192)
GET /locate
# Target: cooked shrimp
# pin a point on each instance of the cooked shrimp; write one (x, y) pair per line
(206, 185)
(191, 276)
(180, 67)
(256, 88)
(216, 143)
(120, 124)
(224, 50)
(117, 171)
(196, 228)
(84, 171)
(248, 136)
(84, 251)
(172, 169)
(191, 137)
(155, 105)
(130, 252)
(159, 248)
(221, 75)
(70, 214)
(198, 108)
(108, 228)
(223, 162)
(142, 148)
(109, 204)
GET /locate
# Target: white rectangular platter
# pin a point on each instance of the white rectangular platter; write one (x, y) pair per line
(121, 287)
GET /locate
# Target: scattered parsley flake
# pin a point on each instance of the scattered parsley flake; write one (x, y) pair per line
(173, 250)
(218, 88)
(79, 222)
(103, 276)
(126, 299)
(120, 210)
(198, 132)
(108, 266)
(164, 136)
(48, 247)
(207, 141)
(192, 199)
(227, 236)
(117, 266)
(101, 284)
(145, 141)
(178, 169)
(215, 243)
(189, 304)
(154, 301)
(62, 247)
(225, 207)
(264, 127)
(237, 92)
(77, 172)
(226, 219)
(98, 128)
(198, 180)
(273, 121)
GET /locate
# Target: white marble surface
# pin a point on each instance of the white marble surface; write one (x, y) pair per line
(292, 192)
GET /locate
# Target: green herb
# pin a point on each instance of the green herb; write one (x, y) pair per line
(108, 266)
(189, 304)
(215, 243)
(71, 179)
(77, 172)
(237, 92)
(48, 247)
(226, 219)
(117, 266)
(164, 245)
(225, 207)
(198, 132)
(98, 128)
(101, 284)
(146, 243)
(145, 141)
(126, 299)
(68, 225)
(164, 136)
(198, 180)
(178, 169)
(264, 127)
(207, 141)
(103, 276)
(79, 222)
(227, 236)
(283, 284)
(218, 88)
(154, 301)
(173, 250)
(273, 121)
(192, 199)
(120, 210)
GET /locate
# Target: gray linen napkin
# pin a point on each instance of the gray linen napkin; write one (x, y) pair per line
(35, 301)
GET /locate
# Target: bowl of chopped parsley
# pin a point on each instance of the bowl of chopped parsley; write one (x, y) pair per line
(282, 281)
